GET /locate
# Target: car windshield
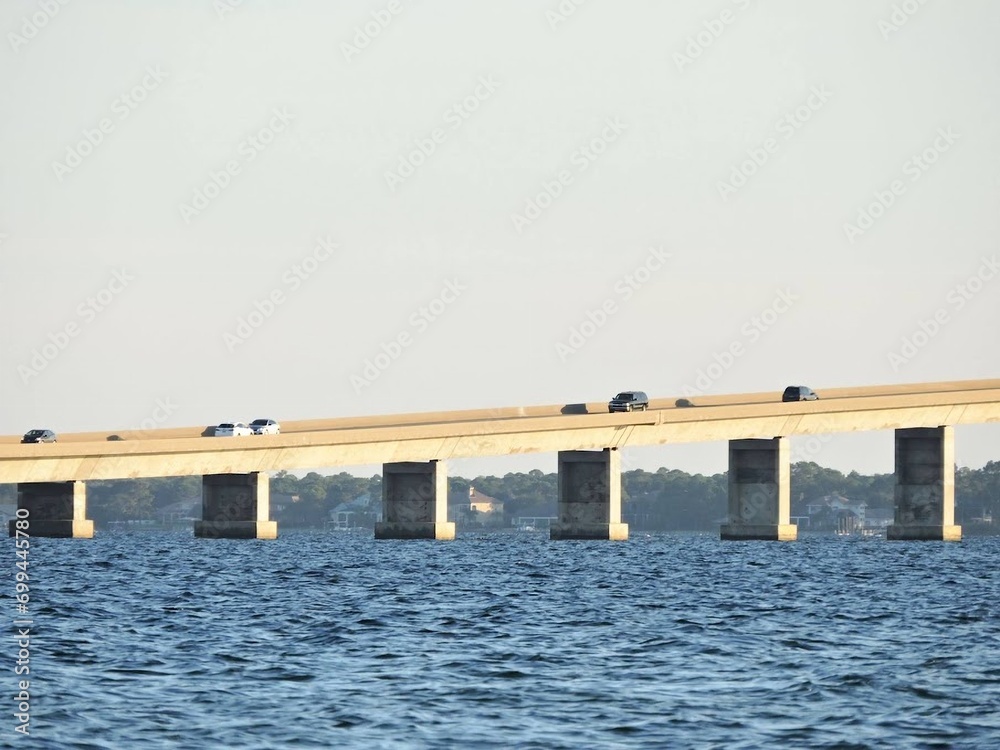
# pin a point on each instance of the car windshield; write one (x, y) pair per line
(627, 396)
(259, 422)
(35, 433)
(226, 425)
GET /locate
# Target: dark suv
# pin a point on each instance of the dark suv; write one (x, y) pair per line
(799, 393)
(629, 401)
(39, 436)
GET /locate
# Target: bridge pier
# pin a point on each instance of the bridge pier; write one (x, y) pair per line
(590, 496)
(759, 491)
(236, 506)
(415, 501)
(925, 485)
(55, 509)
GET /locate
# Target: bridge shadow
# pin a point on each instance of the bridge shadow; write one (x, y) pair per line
(574, 409)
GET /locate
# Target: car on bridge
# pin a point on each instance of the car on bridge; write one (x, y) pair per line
(629, 401)
(232, 429)
(799, 393)
(39, 436)
(265, 427)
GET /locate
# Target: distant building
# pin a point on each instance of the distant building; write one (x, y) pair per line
(985, 517)
(534, 523)
(280, 502)
(878, 519)
(361, 512)
(181, 513)
(476, 508)
(836, 513)
(484, 503)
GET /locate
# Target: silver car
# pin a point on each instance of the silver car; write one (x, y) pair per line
(232, 429)
(265, 427)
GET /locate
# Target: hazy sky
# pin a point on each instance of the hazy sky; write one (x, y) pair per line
(225, 210)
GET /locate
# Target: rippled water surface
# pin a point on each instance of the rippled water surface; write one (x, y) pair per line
(509, 640)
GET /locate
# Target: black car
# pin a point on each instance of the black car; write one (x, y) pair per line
(799, 393)
(39, 436)
(629, 401)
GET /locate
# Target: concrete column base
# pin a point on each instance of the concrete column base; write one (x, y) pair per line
(613, 532)
(236, 506)
(925, 486)
(415, 501)
(414, 530)
(55, 509)
(909, 532)
(58, 529)
(759, 491)
(781, 532)
(590, 496)
(236, 529)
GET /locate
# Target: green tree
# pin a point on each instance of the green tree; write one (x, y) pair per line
(120, 500)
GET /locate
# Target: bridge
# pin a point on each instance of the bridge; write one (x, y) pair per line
(414, 448)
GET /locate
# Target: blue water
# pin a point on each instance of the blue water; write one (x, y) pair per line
(334, 640)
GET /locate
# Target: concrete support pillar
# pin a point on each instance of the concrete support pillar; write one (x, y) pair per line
(759, 491)
(415, 501)
(55, 509)
(236, 506)
(590, 496)
(925, 485)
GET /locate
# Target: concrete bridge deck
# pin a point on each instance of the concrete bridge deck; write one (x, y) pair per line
(493, 432)
(413, 449)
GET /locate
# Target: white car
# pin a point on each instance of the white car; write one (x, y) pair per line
(232, 429)
(265, 427)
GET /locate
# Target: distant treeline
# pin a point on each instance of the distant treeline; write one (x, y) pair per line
(667, 499)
